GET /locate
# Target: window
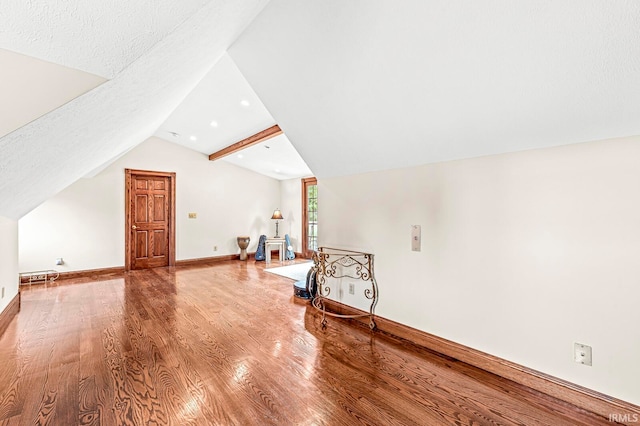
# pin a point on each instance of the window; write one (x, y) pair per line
(309, 216)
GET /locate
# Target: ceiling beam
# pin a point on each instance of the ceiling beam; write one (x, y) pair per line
(262, 136)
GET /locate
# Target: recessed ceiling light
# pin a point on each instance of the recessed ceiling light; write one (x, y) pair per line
(240, 156)
(244, 103)
(214, 123)
(193, 138)
(277, 170)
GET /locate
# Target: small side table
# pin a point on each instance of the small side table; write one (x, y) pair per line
(279, 243)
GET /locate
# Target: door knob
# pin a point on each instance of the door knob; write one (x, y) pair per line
(134, 227)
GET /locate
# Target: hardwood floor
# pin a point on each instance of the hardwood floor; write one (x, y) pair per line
(229, 345)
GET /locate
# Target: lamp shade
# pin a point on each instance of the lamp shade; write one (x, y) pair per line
(277, 215)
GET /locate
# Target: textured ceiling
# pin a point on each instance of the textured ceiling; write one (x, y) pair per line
(97, 36)
(356, 86)
(48, 154)
(369, 85)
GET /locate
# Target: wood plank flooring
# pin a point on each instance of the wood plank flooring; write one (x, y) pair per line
(229, 345)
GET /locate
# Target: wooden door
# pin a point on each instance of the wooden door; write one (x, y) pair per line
(150, 219)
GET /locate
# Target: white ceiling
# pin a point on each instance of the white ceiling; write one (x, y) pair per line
(275, 158)
(357, 86)
(217, 97)
(101, 37)
(50, 153)
(222, 110)
(372, 84)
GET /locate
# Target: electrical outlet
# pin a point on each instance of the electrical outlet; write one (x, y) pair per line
(352, 288)
(582, 354)
(215, 248)
(193, 215)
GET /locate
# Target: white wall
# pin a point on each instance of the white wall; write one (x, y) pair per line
(291, 207)
(84, 224)
(522, 255)
(8, 260)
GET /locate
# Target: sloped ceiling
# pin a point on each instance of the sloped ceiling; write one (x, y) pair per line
(275, 158)
(32, 87)
(223, 109)
(101, 37)
(48, 154)
(357, 86)
(217, 98)
(367, 85)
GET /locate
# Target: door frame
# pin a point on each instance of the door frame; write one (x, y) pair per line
(128, 220)
(306, 253)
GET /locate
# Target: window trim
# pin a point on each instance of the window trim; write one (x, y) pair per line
(306, 182)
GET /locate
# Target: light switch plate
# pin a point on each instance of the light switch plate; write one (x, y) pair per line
(582, 354)
(416, 238)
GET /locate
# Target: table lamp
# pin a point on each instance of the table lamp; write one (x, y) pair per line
(277, 215)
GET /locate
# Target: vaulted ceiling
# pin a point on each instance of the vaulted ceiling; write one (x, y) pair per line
(356, 86)
(369, 85)
(153, 53)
